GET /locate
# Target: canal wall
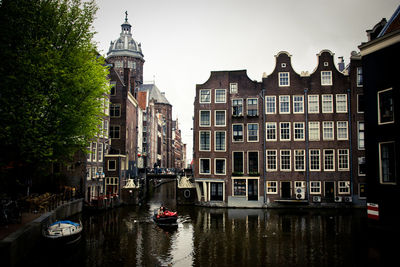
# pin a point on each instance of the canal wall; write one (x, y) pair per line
(18, 244)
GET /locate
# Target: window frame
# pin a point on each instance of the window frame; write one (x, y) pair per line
(281, 102)
(281, 79)
(346, 157)
(280, 131)
(379, 107)
(215, 118)
(284, 161)
(324, 81)
(338, 103)
(233, 131)
(248, 109)
(241, 107)
(324, 132)
(209, 118)
(267, 160)
(317, 186)
(233, 161)
(313, 104)
(201, 96)
(267, 124)
(233, 88)
(215, 166)
(216, 94)
(215, 141)
(333, 160)
(338, 136)
(200, 166)
(209, 139)
(270, 97)
(311, 162)
(393, 182)
(327, 103)
(316, 129)
(298, 156)
(248, 134)
(248, 161)
(294, 101)
(272, 187)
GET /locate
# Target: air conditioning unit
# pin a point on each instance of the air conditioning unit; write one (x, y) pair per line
(348, 199)
(316, 199)
(300, 193)
(338, 199)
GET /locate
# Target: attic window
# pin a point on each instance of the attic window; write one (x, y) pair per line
(326, 64)
(283, 65)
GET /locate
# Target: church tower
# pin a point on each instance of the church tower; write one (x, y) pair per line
(125, 52)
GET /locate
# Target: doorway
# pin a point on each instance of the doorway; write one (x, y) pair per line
(286, 190)
(252, 189)
(329, 191)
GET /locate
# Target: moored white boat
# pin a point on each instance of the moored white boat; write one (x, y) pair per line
(66, 232)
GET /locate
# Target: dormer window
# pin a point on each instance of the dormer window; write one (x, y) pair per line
(284, 79)
(326, 77)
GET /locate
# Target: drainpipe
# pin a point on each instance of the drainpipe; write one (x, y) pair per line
(350, 143)
(264, 147)
(306, 137)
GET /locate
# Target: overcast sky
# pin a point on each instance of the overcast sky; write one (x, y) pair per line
(184, 40)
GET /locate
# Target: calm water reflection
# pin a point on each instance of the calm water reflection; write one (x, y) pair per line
(216, 237)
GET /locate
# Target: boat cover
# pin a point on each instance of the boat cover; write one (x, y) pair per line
(66, 222)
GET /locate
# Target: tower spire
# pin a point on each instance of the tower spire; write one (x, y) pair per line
(126, 16)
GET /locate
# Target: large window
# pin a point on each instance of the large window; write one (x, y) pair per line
(299, 160)
(270, 104)
(271, 160)
(239, 187)
(284, 131)
(342, 130)
(327, 130)
(205, 96)
(284, 104)
(298, 104)
(205, 167)
(329, 159)
(387, 162)
(327, 103)
(252, 157)
(314, 159)
(237, 163)
(220, 141)
(220, 118)
(204, 140)
(252, 106)
(220, 96)
(237, 107)
(285, 160)
(237, 132)
(343, 159)
(385, 106)
(313, 130)
(205, 118)
(341, 103)
(252, 132)
(360, 137)
(115, 131)
(313, 104)
(298, 128)
(220, 166)
(284, 79)
(271, 131)
(326, 77)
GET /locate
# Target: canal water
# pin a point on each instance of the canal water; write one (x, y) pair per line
(127, 236)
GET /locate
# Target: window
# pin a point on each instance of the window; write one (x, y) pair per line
(343, 159)
(89, 150)
(88, 174)
(113, 88)
(313, 130)
(284, 104)
(205, 166)
(216, 191)
(385, 106)
(220, 96)
(298, 104)
(344, 187)
(341, 103)
(239, 187)
(272, 187)
(285, 160)
(298, 130)
(327, 103)
(271, 131)
(237, 163)
(326, 77)
(313, 104)
(314, 160)
(205, 96)
(329, 159)
(252, 132)
(271, 160)
(233, 88)
(299, 160)
(220, 118)
(112, 165)
(237, 132)
(327, 130)
(220, 166)
(252, 106)
(100, 152)
(114, 131)
(362, 168)
(284, 79)
(361, 138)
(115, 110)
(360, 104)
(220, 141)
(205, 118)
(387, 163)
(204, 140)
(270, 104)
(284, 131)
(237, 107)
(362, 189)
(252, 158)
(315, 187)
(359, 77)
(94, 152)
(342, 130)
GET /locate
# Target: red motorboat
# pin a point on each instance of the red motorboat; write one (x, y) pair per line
(163, 216)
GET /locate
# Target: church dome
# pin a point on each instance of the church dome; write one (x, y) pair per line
(125, 45)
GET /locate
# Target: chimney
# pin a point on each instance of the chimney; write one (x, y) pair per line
(127, 79)
(341, 64)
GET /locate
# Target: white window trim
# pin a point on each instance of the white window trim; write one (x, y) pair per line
(243, 130)
(358, 166)
(233, 160)
(206, 173)
(280, 133)
(309, 106)
(319, 131)
(209, 113)
(346, 186)
(279, 79)
(290, 160)
(204, 102)
(247, 105)
(215, 141)
(215, 118)
(230, 88)
(327, 84)
(200, 141)
(258, 158)
(272, 187)
(242, 106)
(358, 103)
(276, 160)
(266, 111)
(333, 160)
(358, 135)
(233, 187)
(215, 96)
(281, 96)
(348, 160)
(304, 160)
(336, 99)
(215, 166)
(333, 131)
(302, 104)
(294, 131)
(322, 103)
(337, 131)
(258, 133)
(379, 110)
(319, 159)
(319, 187)
(108, 165)
(276, 132)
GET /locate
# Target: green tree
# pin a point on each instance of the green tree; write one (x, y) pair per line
(52, 82)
